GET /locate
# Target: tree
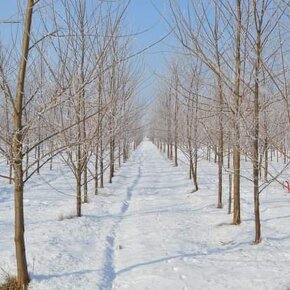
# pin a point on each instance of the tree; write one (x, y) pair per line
(237, 112)
(17, 152)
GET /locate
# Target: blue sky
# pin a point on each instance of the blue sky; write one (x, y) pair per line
(142, 15)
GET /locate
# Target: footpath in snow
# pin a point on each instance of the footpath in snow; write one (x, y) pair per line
(148, 231)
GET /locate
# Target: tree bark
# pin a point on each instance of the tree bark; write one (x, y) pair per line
(266, 164)
(79, 196)
(97, 171)
(258, 22)
(17, 148)
(220, 110)
(236, 149)
(112, 159)
(230, 194)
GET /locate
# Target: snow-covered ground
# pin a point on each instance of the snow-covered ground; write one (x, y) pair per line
(148, 231)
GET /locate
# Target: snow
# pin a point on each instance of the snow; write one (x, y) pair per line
(148, 231)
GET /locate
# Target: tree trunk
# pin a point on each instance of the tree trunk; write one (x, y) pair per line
(171, 151)
(112, 159)
(96, 171)
(190, 164)
(85, 182)
(230, 194)
(256, 127)
(175, 155)
(266, 160)
(17, 148)
(176, 125)
(229, 157)
(79, 196)
(38, 154)
(101, 165)
(119, 154)
(195, 169)
(84, 156)
(236, 149)
(194, 174)
(125, 151)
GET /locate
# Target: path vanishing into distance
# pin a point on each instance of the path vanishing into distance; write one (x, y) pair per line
(147, 230)
(148, 238)
(166, 237)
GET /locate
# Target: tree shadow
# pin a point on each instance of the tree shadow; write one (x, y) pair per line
(214, 251)
(42, 277)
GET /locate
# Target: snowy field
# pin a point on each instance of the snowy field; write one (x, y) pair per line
(148, 231)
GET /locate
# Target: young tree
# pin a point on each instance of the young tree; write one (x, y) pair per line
(17, 151)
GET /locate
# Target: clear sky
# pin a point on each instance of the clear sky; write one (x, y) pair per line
(143, 15)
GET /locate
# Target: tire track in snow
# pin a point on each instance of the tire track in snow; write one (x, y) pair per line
(109, 274)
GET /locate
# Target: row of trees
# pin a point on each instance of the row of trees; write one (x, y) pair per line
(67, 90)
(226, 91)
